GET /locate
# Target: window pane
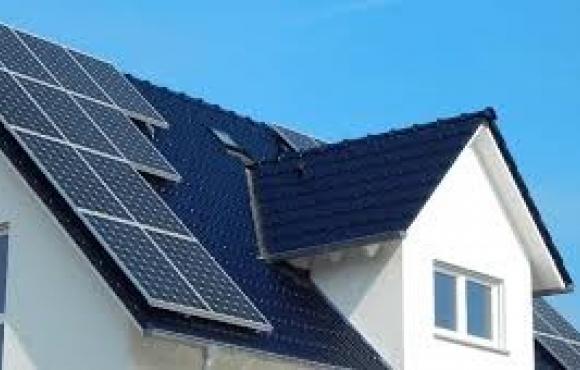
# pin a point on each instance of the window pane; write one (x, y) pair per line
(478, 309)
(445, 301)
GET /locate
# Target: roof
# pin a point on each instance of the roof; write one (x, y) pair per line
(212, 200)
(216, 202)
(557, 341)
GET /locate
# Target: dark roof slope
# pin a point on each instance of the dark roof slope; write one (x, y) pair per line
(213, 201)
(356, 188)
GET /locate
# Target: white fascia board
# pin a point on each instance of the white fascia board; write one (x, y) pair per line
(545, 273)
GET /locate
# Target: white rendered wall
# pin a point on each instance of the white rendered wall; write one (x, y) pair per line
(464, 224)
(61, 316)
(368, 292)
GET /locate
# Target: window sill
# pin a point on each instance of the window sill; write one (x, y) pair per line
(469, 342)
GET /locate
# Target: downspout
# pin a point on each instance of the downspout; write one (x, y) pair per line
(209, 354)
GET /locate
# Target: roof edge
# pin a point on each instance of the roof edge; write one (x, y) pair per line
(533, 210)
(333, 246)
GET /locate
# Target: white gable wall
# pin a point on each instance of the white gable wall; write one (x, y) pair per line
(464, 224)
(60, 315)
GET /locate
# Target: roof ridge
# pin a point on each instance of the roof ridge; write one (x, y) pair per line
(186, 97)
(487, 114)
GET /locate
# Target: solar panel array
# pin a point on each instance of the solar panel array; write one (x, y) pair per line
(556, 335)
(69, 124)
(51, 75)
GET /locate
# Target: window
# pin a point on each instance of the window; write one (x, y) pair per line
(467, 306)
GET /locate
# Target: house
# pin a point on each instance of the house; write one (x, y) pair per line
(144, 229)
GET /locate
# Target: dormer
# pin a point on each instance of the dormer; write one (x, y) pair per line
(415, 236)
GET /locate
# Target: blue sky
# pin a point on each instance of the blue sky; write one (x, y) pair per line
(346, 68)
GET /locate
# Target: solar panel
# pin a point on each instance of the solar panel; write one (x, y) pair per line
(18, 110)
(207, 277)
(135, 194)
(119, 89)
(68, 117)
(149, 269)
(128, 139)
(16, 57)
(71, 175)
(62, 66)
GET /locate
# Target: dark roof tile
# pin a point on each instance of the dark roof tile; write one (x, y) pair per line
(355, 188)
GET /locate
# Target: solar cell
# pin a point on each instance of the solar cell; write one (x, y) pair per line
(16, 57)
(63, 67)
(149, 269)
(71, 175)
(68, 117)
(119, 89)
(128, 139)
(135, 194)
(207, 277)
(18, 110)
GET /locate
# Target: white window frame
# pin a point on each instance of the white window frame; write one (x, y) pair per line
(497, 319)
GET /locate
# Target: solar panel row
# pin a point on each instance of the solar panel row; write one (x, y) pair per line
(46, 61)
(82, 121)
(90, 151)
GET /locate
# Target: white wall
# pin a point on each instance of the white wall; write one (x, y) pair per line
(464, 224)
(61, 316)
(390, 298)
(368, 291)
